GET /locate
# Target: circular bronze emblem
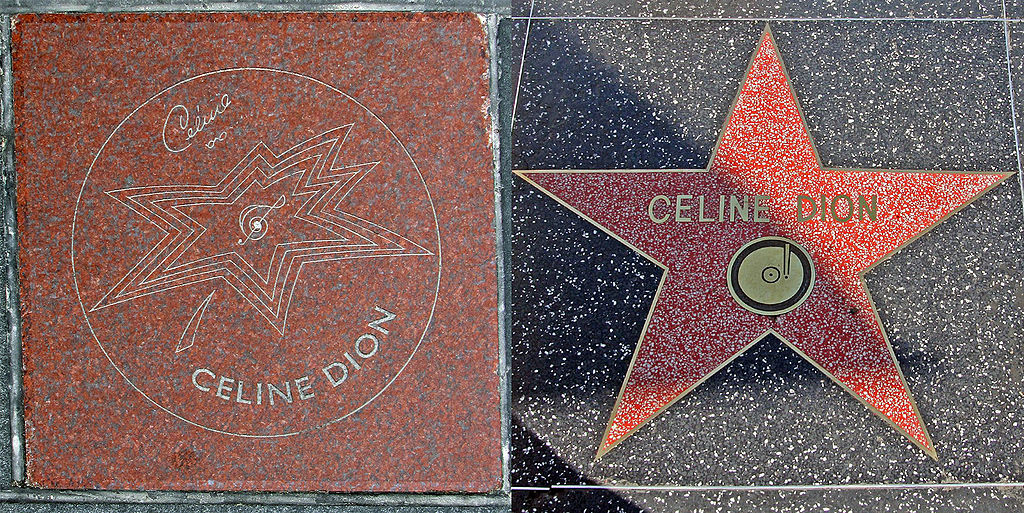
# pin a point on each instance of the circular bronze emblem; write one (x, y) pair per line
(771, 275)
(256, 252)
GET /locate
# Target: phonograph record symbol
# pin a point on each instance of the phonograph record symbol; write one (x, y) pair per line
(764, 241)
(256, 252)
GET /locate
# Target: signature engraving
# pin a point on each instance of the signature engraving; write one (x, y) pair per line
(191, 126)
(213, 142)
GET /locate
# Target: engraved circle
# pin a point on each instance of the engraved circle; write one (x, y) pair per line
(337, 207)
(770, 275)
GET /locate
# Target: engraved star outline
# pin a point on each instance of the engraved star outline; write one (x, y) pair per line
(324, 184)
(766, 38)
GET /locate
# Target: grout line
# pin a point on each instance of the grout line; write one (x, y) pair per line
(519, 78)
(24, 495)
(775, 488)
(499, 262)
(767, 19)
(12, 291)
(1013, 105)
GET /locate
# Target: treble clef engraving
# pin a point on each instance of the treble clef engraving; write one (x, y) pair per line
(253, 220)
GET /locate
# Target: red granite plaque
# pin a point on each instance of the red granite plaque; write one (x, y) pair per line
(257, 252)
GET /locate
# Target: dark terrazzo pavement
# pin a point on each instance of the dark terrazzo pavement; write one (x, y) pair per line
(899, 95)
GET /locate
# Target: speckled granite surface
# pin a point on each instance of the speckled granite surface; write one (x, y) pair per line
(624, 93)
(257, 252)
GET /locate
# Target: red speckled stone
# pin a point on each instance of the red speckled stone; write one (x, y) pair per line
(257, 252)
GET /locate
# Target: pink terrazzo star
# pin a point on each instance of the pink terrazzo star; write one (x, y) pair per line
(764, 180)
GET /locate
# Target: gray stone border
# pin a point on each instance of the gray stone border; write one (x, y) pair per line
(61, 6)
(13, 310)
(254, 498)
(503, 371)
